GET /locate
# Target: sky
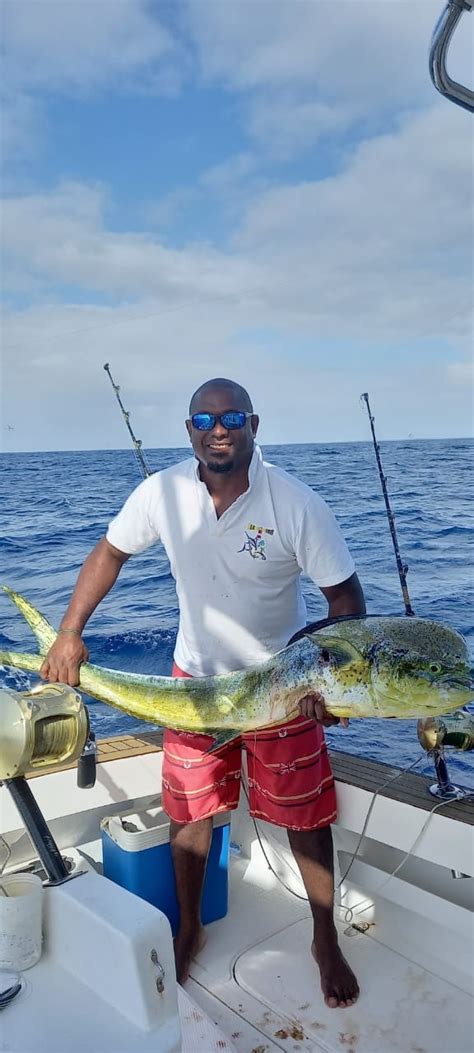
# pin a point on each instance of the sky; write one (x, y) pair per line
(266, 190)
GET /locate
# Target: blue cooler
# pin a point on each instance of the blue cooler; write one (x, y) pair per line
(137, 856)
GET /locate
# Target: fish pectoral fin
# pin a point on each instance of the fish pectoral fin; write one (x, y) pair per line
(221, 738)
(225, 705)
(341, 651)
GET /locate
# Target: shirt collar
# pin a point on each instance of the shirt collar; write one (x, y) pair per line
(255, 466)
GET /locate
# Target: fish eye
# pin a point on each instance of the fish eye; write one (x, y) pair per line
(435, 667)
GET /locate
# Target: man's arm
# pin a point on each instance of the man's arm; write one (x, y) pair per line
(99, 572)
(345, 598)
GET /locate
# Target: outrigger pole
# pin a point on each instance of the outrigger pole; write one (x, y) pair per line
(402, 567)
(137, 443)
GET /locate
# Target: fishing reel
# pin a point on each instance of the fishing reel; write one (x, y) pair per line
(44, 728)
(41, 728)
(435, 734)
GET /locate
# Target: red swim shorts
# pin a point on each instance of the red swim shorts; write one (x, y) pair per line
(290, 782)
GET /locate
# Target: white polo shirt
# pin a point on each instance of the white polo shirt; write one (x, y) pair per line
(237, 577)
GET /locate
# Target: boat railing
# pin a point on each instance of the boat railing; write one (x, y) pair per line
(441, 39)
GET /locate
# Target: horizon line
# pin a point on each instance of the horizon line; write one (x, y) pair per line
(335, 442)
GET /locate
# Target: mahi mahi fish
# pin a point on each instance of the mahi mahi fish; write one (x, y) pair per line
(367, 666)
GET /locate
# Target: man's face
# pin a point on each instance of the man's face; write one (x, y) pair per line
(222, 450)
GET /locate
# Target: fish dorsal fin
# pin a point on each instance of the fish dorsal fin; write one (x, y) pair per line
(341, 651)
(44, 632)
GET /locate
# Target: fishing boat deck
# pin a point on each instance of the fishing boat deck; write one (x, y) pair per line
(405, 932)
(257, 981)
(254, 988)
(409, 788)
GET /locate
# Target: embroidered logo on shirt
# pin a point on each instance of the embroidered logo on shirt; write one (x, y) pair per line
(256, 545)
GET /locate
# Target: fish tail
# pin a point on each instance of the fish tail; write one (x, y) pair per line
(31, 663)
(44, 632)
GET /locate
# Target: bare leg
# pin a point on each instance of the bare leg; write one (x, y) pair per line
(190, 843)
(313, 852)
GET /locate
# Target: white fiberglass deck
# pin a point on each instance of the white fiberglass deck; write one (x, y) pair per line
(95, 989)
(256, 977)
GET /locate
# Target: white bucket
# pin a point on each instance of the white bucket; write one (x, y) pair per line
(20, 920)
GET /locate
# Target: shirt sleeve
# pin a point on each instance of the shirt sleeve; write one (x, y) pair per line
(136, 526)
(320, 549)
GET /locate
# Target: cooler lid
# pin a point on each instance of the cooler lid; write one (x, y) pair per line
(136, 831)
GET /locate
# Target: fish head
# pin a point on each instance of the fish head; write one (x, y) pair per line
(339, 669)
(421, 668)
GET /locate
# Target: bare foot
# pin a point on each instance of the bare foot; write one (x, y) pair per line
(338, 983)
(187, 945)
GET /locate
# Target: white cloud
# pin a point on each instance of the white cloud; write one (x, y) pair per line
(314, 68)
(56, 394)
(380, 252)
(229, 185)
(80, 47)
(75, 46)
(461, 373)
(383, 247)
(285, 125)
(251, 45)
(55, 390)
(170, 207)
(22, 126)
(226, 175)
(376, 257)
(60, 237)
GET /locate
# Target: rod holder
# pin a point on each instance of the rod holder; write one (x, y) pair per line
(444, 788)
(38, 830)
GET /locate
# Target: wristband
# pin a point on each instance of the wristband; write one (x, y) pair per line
(76, 632)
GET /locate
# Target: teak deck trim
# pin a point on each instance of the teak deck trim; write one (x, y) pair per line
(366, 774)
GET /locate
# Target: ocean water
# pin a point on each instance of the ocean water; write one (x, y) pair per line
(57, 506)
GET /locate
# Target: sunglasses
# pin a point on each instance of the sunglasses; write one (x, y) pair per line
(231, 420)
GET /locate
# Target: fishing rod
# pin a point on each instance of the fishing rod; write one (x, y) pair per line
(433, 732)
(402, 567)
(137, 443)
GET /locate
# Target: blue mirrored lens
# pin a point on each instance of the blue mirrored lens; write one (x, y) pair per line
(231, 420)
(203, 421)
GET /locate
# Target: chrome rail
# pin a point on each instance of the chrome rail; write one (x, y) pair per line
(440, 42)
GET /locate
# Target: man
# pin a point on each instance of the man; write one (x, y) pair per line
(238, 533)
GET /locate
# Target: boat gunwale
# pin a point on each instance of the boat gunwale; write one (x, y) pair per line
(410, 788)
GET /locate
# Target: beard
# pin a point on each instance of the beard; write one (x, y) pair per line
(219, 467)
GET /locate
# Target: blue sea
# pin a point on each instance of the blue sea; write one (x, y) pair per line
(57, 506)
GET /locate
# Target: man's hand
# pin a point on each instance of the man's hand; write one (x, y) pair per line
(63, 660)
(98, 574)
(314, 707)
(346, 599)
